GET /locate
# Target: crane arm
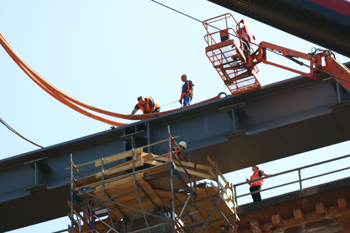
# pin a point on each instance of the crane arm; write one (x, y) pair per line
(322, 61)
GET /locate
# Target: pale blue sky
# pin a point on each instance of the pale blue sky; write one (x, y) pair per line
(106, 53)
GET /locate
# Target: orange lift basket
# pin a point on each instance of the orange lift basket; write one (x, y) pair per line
(229, 57)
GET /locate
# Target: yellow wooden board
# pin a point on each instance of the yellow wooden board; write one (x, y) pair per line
(126, 200)
(117, 157)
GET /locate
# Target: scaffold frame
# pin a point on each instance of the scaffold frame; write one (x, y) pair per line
(119, 199)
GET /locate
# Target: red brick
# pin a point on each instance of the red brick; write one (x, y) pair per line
(299, 215)
(321, 210)
(255, 226)
(246, 231)
(267, 227)
(289, 222)
(333, 211)
(311, 217)
(343, 204)
(344, 218)
(277, 221)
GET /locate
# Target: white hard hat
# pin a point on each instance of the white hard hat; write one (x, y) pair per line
(182, 143)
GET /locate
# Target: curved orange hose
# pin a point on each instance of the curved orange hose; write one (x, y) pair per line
(68, 100)
(69, 104)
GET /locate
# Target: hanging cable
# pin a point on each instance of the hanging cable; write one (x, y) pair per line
(15, 132)
(295, 60)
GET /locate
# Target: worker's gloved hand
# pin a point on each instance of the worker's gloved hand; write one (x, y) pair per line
(180, 101)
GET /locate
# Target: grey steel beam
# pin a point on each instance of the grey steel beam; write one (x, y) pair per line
(279, 120)
(302, 18)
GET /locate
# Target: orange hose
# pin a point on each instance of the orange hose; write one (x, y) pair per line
(70, 101)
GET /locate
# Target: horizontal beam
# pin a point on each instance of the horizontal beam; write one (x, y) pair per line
(329, 28)
(279, 120)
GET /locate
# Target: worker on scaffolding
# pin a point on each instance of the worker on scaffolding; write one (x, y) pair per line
(187, 91)
(180, 153)
(147, 105)
(255, 182)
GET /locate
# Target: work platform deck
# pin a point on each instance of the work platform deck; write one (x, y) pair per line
(142, 198)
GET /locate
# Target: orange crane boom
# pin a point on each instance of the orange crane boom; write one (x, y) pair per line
(236, 63)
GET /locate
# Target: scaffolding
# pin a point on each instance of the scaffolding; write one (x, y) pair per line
(151, 193)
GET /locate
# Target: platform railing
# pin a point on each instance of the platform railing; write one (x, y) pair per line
(300, 179)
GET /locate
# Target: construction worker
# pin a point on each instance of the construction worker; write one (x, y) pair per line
(187, 91)
(180, 154)
(147, 105)
(255, 182)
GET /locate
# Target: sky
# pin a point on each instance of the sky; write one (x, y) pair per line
(106, 54)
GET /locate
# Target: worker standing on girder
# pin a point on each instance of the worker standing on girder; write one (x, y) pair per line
(187, 91)
(179, 153)
(255, 182)
(147, 105)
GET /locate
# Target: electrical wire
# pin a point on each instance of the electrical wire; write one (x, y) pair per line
(295, 60)
(15, 132)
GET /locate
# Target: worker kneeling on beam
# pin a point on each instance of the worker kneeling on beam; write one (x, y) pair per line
(147, 105)
(179, 153)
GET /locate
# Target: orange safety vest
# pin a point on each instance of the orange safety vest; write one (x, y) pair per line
(146, 107)
(179, 154)
(258, 182)
(188, 90)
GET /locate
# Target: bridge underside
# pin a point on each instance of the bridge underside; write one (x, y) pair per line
(279, 120)
(305, 19)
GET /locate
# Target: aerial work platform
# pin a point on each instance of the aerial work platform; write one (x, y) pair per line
(151, 193)
(229, 57)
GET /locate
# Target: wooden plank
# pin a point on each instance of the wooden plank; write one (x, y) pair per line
(210, 161)
(223, 205)
(223, 191)
(180, 169)
(166, 167)
(219, 172)
(155, 163)
(147, 155)
(222, 176)
(119, 183)
(205, 202)
(146, 204)
(213, 175)
(186, 164)
(150, 192)
(84, 181)
(118, 169)
(195, 173)
(119, 156)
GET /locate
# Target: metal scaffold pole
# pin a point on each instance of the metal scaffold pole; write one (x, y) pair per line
(171, 181)
(134, 180)
(71, 192)
(133, 195)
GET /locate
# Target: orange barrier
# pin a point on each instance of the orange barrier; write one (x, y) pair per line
(70, 101)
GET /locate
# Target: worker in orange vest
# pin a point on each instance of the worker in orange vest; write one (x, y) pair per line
(147, 105)
(255, 182)
(180, 154)
(187, 91)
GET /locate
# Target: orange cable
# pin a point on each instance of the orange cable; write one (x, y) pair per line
(70, 101)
